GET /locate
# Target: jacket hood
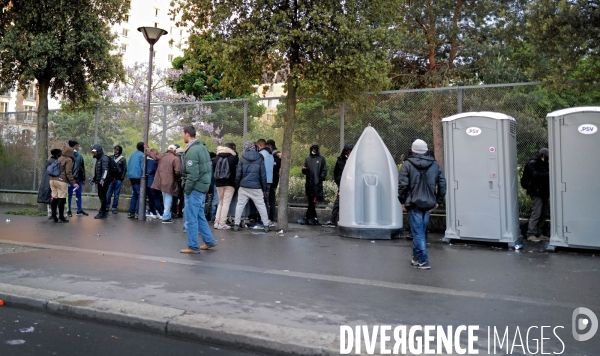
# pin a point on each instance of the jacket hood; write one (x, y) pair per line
(266, 149)
(348, 147)
(56, 152)
(223, 151)
(252, 156)
(421, 161)
(98, 149)
(315, 146)
(69, 152)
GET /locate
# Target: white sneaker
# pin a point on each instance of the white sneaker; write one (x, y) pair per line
(150, 215)
(223, 227)
(216, 225)
(157, 217)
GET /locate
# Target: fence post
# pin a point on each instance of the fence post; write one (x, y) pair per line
(245, 121)
(35, 160)
(96, 119)
(163, 140)
(460, 100)
(342, 121)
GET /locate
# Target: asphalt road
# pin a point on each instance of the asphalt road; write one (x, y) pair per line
(24, 332)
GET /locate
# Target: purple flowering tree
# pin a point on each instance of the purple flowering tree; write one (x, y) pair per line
(125, 104)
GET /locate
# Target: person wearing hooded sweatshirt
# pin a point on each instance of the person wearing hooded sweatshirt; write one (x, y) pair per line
(337, 177)
(224, 182)
(420, 202)
(134, 170)
(59, 184)
(315, 170)
(45, 193)
(79, 175)
(155, 209)
(165, 179)
(251, 181)
(101, 177)
(536, 180)
(115, 186)
(269, 161)
(273, 188)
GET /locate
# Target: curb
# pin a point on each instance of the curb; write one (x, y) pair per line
(235, 333)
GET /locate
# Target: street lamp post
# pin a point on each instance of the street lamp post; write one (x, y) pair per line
(152, 35)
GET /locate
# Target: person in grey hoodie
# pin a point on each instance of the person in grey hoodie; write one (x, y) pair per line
(251, 181)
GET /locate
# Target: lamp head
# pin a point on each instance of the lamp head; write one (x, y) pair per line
(152, 34)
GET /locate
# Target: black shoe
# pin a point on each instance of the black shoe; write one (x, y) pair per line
(50, 218)
(114, 211)
(63, 220)
(82, 213)
(316, 222)
(422, 265)
(55, 220)
(329, 224)
(236, 228)
(69, 214)
(266, 228)
(100, 215)
(167, 221)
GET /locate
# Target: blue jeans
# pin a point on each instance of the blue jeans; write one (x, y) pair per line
(195, 220)
(113, 188)
(154, 201)
(215, 204)
(135, 198)
(77, 195)
(419, 220)
(167, 201)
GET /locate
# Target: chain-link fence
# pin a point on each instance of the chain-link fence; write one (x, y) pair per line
(398, 116)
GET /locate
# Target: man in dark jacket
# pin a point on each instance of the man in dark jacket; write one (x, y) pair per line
(251, 181)
(537, 183)
(420, 202)
(45, 192)
(315, 169)
(224, 182)
(117, 181)
(273, 187)
(101, 177)
(79, 175)
(337, 177)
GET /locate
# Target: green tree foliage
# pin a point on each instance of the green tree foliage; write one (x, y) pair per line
(63, 44)
(331, 48)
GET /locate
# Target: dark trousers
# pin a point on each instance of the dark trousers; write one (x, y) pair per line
(272, 195)
(311, 213)
(154, 201)
(102, 192)
(335, 213)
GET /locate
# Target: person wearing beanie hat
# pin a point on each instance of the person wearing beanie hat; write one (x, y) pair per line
(536, 181)
(409, 152)
(251, 181)
(79, 175)
(134, 170)
(315, 170)
(114, 187)
(421, 188)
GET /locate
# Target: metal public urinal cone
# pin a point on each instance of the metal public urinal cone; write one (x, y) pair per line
(369, 206)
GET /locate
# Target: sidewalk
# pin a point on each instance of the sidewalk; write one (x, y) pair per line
(286, 294)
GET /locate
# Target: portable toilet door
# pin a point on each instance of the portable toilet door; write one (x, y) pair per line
(574, 143)
(480, 155)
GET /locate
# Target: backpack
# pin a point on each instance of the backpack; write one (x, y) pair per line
(526, 178)
(222, 168)
(422, 195)
(53, 169)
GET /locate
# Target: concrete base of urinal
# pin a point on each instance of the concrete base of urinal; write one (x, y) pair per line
(369, 234)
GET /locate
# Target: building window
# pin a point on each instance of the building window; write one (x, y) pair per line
(3, 107)
(170, 58)
(123, 48)
(180, 32)
(126, 18)
(156, 24)
(125, 33)
(156, 12)
(30, 113)
(31, 92)
(154, 55)
(171, 43)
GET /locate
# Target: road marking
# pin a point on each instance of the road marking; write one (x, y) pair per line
(312, 276)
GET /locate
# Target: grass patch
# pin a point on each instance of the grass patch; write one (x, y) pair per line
(27, 212)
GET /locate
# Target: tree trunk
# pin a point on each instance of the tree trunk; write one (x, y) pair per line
(286, 154)
(42, 131)
(438, 134)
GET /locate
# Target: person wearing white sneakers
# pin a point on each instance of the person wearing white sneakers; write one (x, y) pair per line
(224, 168)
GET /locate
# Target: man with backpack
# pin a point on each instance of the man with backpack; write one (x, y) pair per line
(102, 177)
(165, 179)
(419, 176)
(536, 180)
(224, 168)
(119, 170)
